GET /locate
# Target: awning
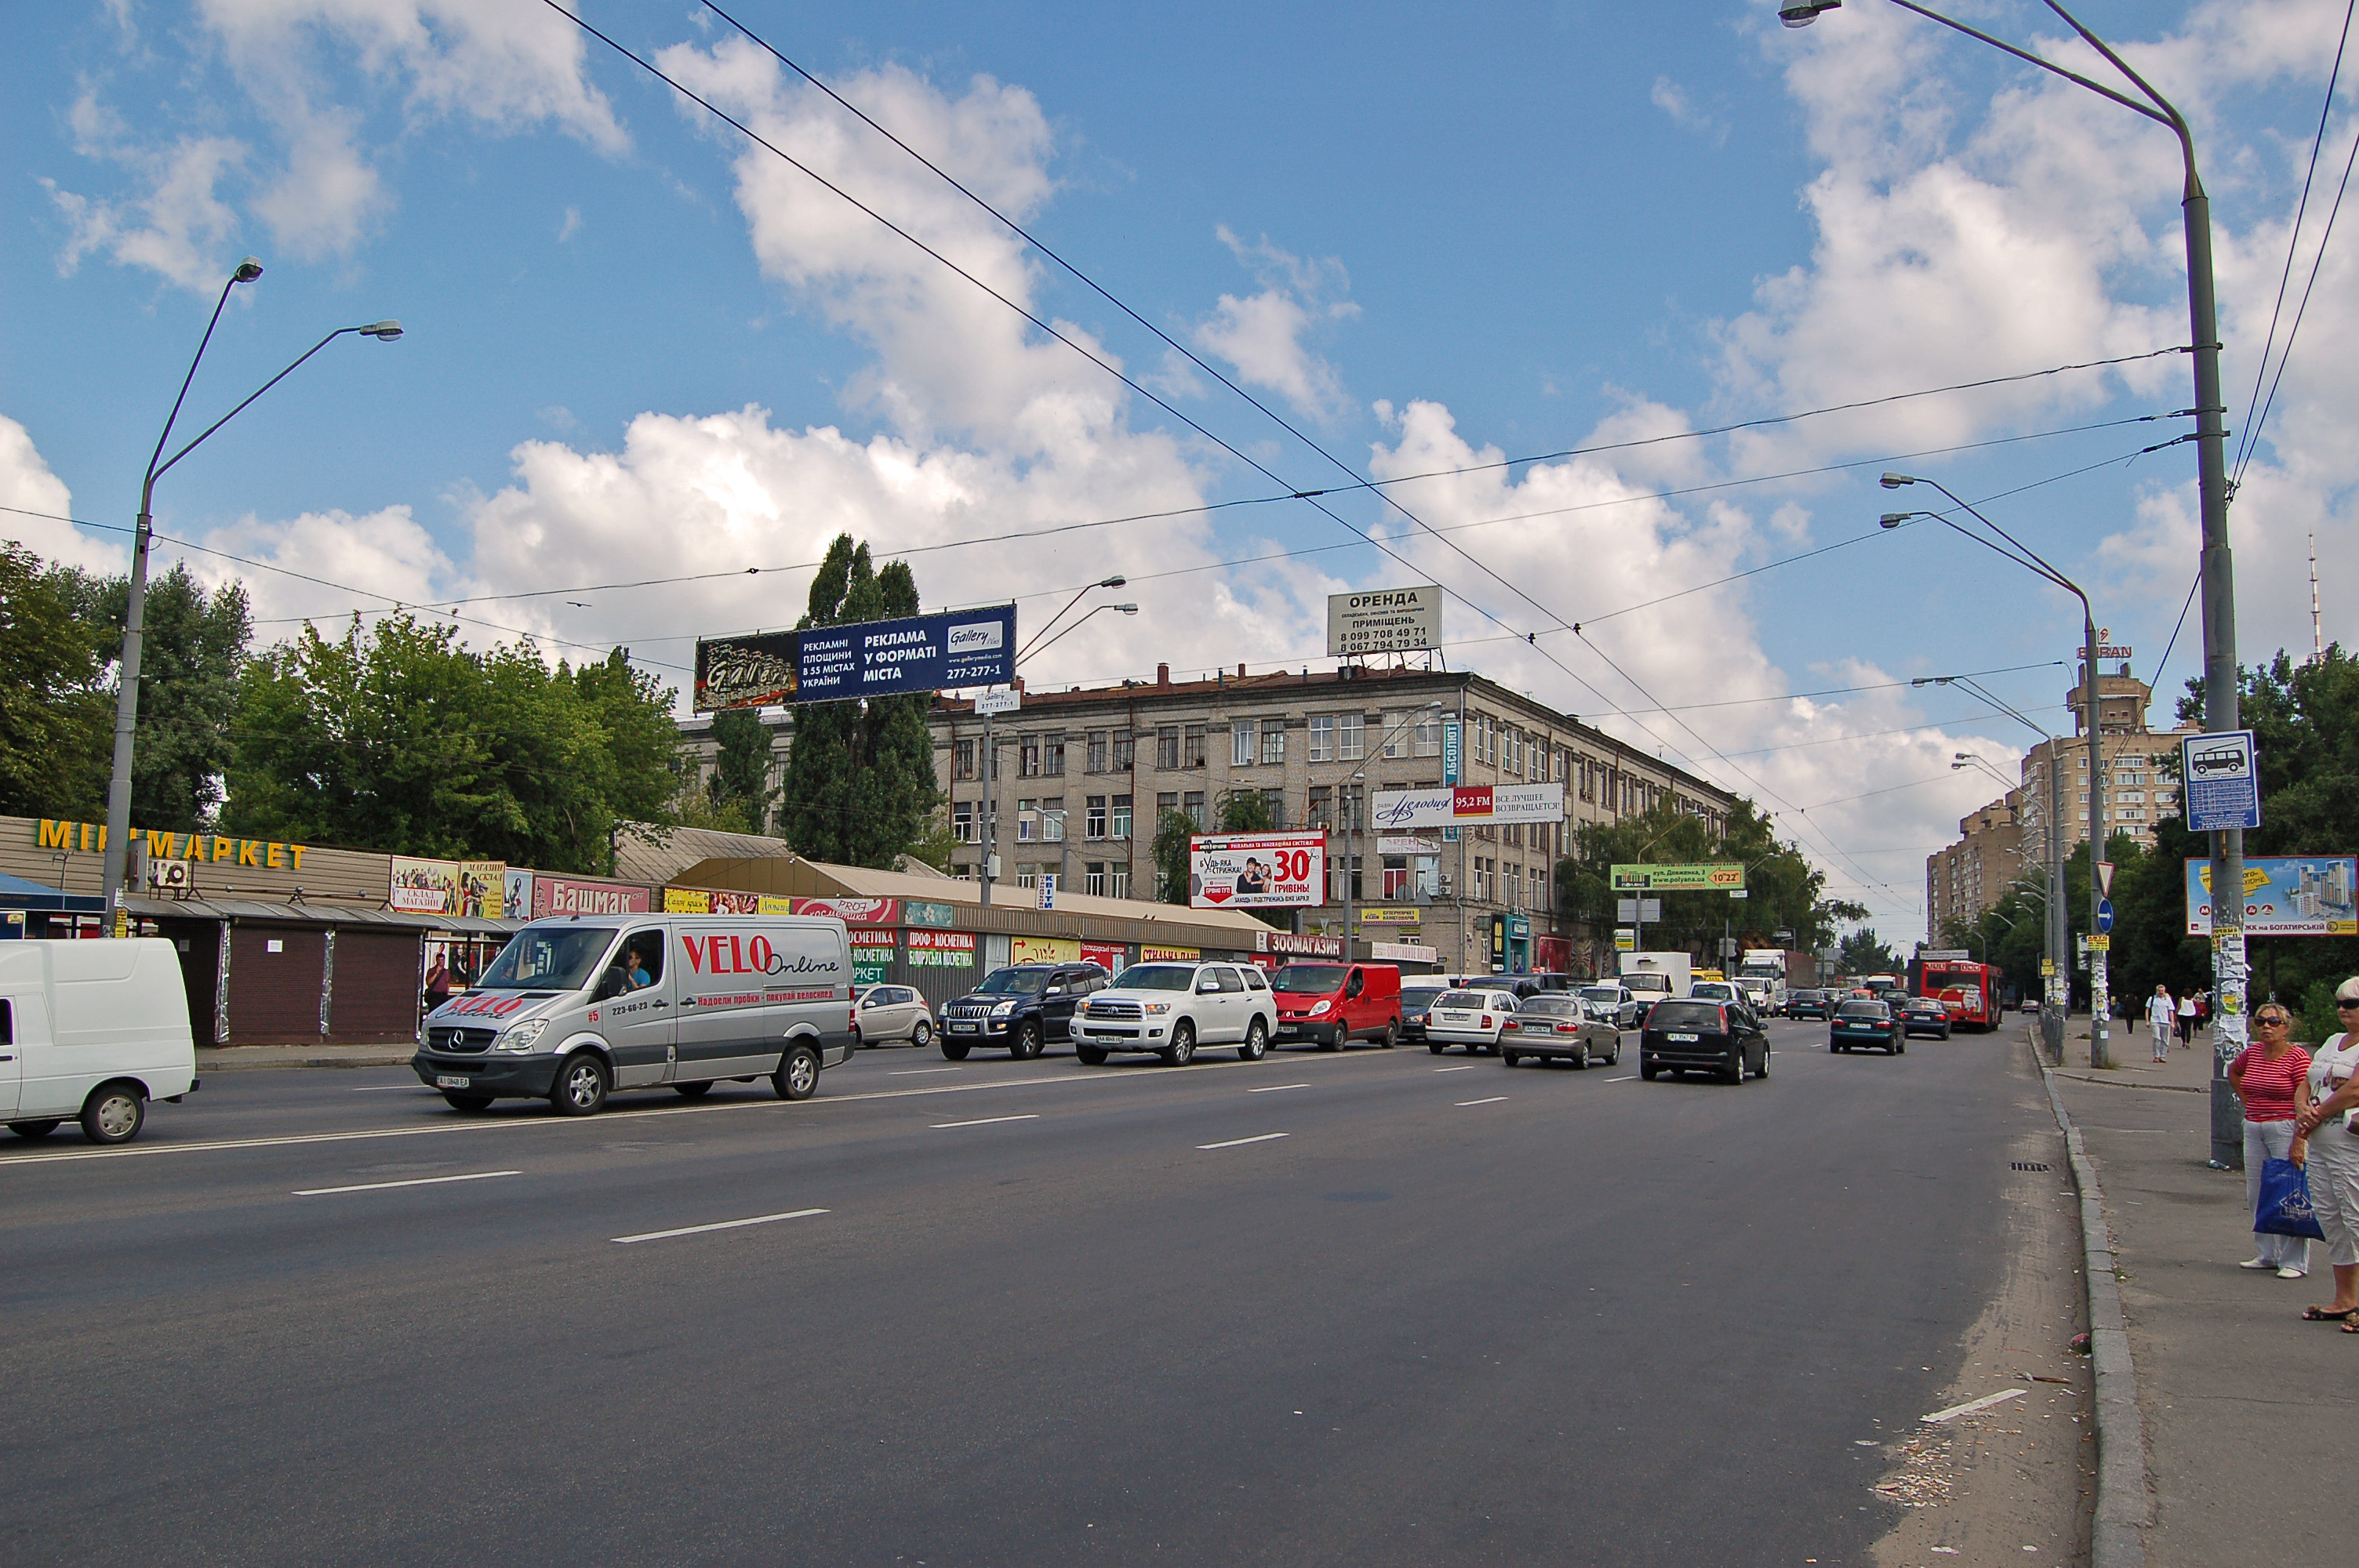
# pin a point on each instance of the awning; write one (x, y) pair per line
(16, 893)
(235, 910)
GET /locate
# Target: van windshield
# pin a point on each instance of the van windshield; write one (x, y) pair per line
(1313, 980)
(560, 959)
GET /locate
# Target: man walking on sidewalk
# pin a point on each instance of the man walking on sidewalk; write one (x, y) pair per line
(2160, 1011)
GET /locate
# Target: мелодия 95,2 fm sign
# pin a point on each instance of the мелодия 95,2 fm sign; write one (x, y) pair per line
(1451, 805)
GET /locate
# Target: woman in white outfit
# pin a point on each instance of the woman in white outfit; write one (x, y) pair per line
(2159, 1011)
(2329, 1109)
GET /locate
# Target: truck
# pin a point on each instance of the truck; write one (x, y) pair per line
(1655, 977)
(1768, 973)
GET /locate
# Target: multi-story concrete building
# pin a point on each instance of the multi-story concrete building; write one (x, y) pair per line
(1084, 774)
(1969, 877)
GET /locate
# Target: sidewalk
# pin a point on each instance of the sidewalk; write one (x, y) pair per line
(245, 1059)
(2241, 1400)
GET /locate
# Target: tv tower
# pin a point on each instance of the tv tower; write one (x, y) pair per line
(2317, 635)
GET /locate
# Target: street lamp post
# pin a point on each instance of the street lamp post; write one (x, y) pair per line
(2100, 1048)
(2220, 673)
(1352, 828)
(118, 851)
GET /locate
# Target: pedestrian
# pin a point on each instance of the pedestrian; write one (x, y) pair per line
(2189, 1015)
(2268, 1079)
(2328, 1111)
(438, 984)
(2159, 1012)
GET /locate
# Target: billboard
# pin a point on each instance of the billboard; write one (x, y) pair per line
(586, 896)
(1257, 870)
(854, 911)
(920, 653)
(942, 949)
(2284, 895)
(756, 670)
(1388, 621)
(447, 887)
(1459, 805)
(1710, 876)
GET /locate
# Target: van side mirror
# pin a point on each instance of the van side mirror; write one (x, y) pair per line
(609, 987)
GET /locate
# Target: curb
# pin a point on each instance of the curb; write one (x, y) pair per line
(2117, 1538)
(290, 1063)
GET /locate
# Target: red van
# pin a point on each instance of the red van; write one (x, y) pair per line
(1334, 1003)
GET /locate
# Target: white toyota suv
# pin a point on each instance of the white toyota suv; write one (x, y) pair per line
(1172, 1007)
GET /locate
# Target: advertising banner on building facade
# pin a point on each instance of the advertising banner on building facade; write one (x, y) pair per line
(448, 887)
(1043, 950)
(920, 652)
(2284, 895)
(942, 949)
(1257, 870)
(1287, 944)
(1387, 621)
(1464, 805)
(872, 955)
(1707, 877)
(586, 896)
(1149, 955)
(853, 910)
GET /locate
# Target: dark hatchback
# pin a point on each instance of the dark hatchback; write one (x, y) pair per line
(1809, 1004)
(1858, 1023)
(1680, 1036)
(1417, 995)
(1925, 1015)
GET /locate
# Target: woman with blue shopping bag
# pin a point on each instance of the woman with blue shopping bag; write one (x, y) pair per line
(2329, 1121)
(2269, 1077)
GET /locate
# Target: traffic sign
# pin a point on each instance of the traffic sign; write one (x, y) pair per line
(2222, 787)
(2104, 879)
(2105, 915)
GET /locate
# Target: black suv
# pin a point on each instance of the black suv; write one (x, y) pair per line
(1023, 1006)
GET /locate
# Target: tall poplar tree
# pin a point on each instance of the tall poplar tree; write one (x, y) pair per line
(860, 777)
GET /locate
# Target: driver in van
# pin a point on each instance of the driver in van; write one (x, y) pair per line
(635, 972)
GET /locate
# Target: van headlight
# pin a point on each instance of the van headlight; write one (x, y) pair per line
(1320, 1009)
(523, 1036)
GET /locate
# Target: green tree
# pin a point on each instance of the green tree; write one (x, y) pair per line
(1244, 811)
(1865, 953)
(56, 716)
(860, 779)
(399, 737)
(192, 647)
(1787, 893)
(1172, 869)
(741, 767)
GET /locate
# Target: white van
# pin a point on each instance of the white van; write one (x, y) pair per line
(92, 1031)
(579, 1005)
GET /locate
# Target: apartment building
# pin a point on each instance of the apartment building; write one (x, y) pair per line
(1970, 876)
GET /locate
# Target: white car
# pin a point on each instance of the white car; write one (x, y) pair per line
(1170, 1009)
(887, 1013)
(1470, 1017)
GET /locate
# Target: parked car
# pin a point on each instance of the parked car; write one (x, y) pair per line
(1170, 1009)
(1616, 1002)
(1924, 1015)
(1336, 1003)
(1558, 1026)
(1416, 996)
(1684, 1033)
(564, 1013)
(1815, 1004)
(95, 1032)
(889, 1013)
(1858, 1022)
(1470, 1017)
(1024, 1007)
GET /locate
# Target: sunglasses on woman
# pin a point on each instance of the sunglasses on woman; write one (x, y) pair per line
(2273, 1022)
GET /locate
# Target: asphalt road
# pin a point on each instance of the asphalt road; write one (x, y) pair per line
(1376, 1308)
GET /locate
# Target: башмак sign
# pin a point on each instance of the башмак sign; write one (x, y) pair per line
(1453, 805)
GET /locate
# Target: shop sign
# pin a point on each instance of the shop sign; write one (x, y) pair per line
(1043, 950)
(1108, 956)
(853, 910)
(942, 949)
(90, 838)
(687, 900)
(1408, 844)
(1293, 946)
(1149, 955)
(1408, 915)
(1403, 953)
(578, 895)
(447, 887)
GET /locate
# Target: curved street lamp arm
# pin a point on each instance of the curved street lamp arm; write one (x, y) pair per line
(1972, 685)
(1037, 647)
(2124, 100)
(173, 418)
(2037, 562)
(2034, 567)
(2169, 116)
(156, 473)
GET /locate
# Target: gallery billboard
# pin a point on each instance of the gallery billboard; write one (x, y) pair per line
(2284, 895)
(918, 653)
(756, 670)
(1257, 870)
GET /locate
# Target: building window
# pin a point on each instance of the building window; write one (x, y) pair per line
(1323, 738)
(1094, 816)
(1166, 746)
(1166, 802)
(1275, 800)
(1094, 879)
(1052, 756)
(1028, 876)
(1352, 806)
(1396, 736)
(1027, 764)
(1511, 886)
(1118, 881)
(962, 821)
(1273, 743)
(1350, 738)
(1193, 805)
(1052, 820)
(1242, 748)
(1191, 747)
(1429, 735)
(1121, 824)
(1125, 752)
(1481, 892)
(1095, 758)
(1322, 813)
(964, 767)
(1027, 821)
(1588, 781)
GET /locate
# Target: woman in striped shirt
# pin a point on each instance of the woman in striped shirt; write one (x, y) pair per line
(2269, 1077)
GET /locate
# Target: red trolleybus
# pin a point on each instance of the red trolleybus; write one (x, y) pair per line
(1969, 992)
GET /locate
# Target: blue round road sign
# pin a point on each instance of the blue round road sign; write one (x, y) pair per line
(2106, 916)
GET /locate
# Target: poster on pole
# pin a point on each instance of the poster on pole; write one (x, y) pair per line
(1257, 870)
(2284, 895)
(1387, 620)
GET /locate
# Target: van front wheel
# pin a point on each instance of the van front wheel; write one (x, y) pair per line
(113, 1114)
(580, 1086)
(797, 1075)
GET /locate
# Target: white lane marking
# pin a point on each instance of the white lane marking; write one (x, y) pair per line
(1273, 1088)
(1494, 1099)
(720, 1225)
(918, 1071)
(414, 1181)
(1467, 1068)
(1624, 1078)
(12, 1159)
(381, 1088)
(1970, 1407)
(987, 1121)
(1240, 1143)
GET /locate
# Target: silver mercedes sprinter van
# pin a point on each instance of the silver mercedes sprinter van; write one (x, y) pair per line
(579, 1005)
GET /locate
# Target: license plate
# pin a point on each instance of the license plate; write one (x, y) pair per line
(1682, 1039)
(962, 1028)
(447, 1081)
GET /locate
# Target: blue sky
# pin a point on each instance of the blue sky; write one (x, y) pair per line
(1428, 240)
